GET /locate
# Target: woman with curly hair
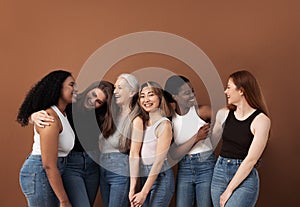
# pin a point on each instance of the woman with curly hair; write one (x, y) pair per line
(191, 147)
(40, 175)
(89, 116)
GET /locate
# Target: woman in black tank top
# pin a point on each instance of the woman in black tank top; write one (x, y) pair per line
(244, 128)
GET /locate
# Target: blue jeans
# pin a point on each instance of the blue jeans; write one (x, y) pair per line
(245, 195)
(194, 179)
(81, 179)
(34, 182)
(162, 190)
(114, 179)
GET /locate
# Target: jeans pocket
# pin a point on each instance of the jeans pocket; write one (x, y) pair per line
(27, 182)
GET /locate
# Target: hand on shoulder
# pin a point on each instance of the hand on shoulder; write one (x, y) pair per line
(56, 124)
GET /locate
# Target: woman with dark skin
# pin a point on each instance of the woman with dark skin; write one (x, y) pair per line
(89, 116)
(194, 152)
(40, 176)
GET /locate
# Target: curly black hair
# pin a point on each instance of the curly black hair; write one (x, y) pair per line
(43, 95)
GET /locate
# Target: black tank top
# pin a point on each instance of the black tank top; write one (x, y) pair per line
(237, 136)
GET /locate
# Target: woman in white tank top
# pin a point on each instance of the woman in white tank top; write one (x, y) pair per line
(88, 117)
(114, 161)
(157, 179)
(191, 147)
(40, 176)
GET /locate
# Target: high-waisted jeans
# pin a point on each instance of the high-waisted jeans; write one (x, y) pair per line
(245, 195)
(194, 179)
(114, 179)
(81, 179)
(162, 190)
(35, 184)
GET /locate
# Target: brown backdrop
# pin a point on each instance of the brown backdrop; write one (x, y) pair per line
(261, 36)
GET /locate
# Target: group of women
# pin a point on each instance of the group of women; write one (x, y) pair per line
(137, 133)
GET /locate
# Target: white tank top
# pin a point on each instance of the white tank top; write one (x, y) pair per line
(186, 126)
(111, 144)
(148, 150)
(65, 140)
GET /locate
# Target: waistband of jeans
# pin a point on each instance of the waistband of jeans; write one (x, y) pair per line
(224, 160)
(39, 157)
(205, 155)
(113, 155)
(83, 153)
(164, 167)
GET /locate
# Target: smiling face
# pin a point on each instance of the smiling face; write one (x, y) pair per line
(233, 94)
(148, 100)
(122, 92)
(95, 98)
(69, 91)
(185, 97)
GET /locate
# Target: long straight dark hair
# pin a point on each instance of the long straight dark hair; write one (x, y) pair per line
(103, 113)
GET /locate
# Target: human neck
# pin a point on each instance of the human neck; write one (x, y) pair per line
(154, 116)
(62, 107)
(182, 110)
(243, 110)
(124, 110)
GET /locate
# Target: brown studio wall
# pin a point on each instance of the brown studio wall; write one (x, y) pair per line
(259, 36)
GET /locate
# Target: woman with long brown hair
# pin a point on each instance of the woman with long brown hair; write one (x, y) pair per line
(244, 127)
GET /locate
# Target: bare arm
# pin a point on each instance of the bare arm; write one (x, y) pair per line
(41, 118)
(178, 151)
(260, 128)
(204, 112)
(49, 150)
(218, 126)
(134, 154)
(164, 140)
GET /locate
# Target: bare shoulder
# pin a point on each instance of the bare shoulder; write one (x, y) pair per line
(222, 114)
(262, 119)
(56, 124)
(204, 111)
(164, 127)
(137, 121)
(165, 124)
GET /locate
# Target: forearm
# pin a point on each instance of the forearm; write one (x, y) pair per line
(241, 174)
(178, 151)
(56, 183)
(134, 172)
(155, 170)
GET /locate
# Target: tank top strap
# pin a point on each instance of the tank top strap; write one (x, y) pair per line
(58, 112)
(159, 121)
(255, 113)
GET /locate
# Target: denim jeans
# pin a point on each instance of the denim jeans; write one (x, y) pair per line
(244, 195)
(194, 179)
(34, 182)
(81, 179)
(162, 190)
(114, 179)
